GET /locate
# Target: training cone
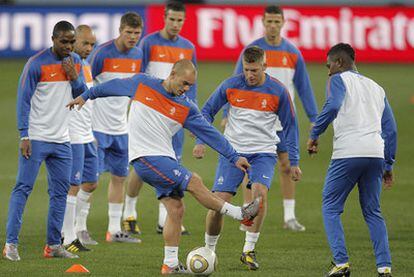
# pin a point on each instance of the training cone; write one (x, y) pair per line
(77, 268)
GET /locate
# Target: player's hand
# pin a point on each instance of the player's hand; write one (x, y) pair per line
(388, 179)
(70, 69)
(223, 123)
(295, 173)
(78, 101)
(199, 151)
(312, 146)
(242, 164)
(26, 148)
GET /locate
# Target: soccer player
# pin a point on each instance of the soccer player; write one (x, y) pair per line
(158, 110)
(257, 102)
(42, 120)
(119, 58)
(363, 152)
(285, 63)
(84, 156)
(161, 50)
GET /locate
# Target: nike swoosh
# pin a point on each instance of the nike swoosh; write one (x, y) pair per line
(162, 55)
(53, 75)
(149, 99)
(264, 176)
(115, 66)
(240, 100)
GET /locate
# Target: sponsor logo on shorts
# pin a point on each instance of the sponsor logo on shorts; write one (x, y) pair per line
(220, 180)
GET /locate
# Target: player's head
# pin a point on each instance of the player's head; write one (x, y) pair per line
(63, 38)
(340, 58)
(174, 16)
(85, 40)
(183, 75)
(130, 30)
(273, 21)
(254, 65)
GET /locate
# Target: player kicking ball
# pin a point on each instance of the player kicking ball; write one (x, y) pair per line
(158, 110)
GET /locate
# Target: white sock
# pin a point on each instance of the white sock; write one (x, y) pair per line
(211, 241)
(171, 256)
(162, 215)
(82, 217)
(384, 269)
(232, 211)
(289, 209)
(250, 241)
(82, 209)
(339, 265)
(115, 214)
(68, 228)
(129, 209)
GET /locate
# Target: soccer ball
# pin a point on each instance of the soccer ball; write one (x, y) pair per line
(201, 261)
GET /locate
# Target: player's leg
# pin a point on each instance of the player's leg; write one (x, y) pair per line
(59, 166)
(288, 189)
(117, 162)
(370, 185)
(215, 222)
(172, 232)
(134, 185)
(226, 182)
(340, 180)
(261, 175)
(167, 177)
(89, 184)
(177, 143)
(26, 177)
(68, 229)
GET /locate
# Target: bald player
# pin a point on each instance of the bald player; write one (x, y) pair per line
(84, 174)
(159, 109)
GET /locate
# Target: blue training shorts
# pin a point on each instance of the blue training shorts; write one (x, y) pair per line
(229, 177)
(112, 153)
(84, 164)
(165, 174)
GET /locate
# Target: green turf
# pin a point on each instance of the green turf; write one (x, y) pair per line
(280, 253)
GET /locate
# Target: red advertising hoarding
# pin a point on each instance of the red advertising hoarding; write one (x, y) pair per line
(379, 34)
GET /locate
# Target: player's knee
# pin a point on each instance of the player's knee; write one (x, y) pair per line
(89, 187)
(73, 190)
(284, 167)
(176, 210)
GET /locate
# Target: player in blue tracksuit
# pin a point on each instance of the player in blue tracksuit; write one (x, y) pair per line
(159, 109)
(364, 147)
(49, 80)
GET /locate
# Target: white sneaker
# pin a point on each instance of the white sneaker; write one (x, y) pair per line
(10, 252)
(294, 225)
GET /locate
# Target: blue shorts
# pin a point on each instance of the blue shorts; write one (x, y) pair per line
(84, 164)
(165, 174)
(229, 177)
(112, 153)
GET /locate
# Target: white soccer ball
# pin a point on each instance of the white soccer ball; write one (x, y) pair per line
(201, 261)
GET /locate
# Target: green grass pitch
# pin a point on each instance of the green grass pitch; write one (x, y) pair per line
(280, 252)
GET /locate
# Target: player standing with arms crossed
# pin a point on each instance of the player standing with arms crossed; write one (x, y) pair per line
(160, 51)
(158, 110)
(257, 102)
(285, 63)
(365, 142)
(42, 120)
(118, 58)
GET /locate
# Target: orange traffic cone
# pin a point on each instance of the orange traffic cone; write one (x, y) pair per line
(77, 268)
